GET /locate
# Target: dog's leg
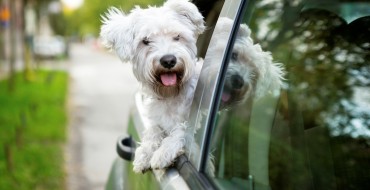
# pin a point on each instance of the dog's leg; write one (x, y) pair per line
(172, 146)
(151, 140)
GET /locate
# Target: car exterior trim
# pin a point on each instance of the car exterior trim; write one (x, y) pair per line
(193, 178)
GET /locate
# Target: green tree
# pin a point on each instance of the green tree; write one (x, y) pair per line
(87, 19)
(327, 63)
(325, 51)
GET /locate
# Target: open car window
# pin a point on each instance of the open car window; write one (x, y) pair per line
(311, 133)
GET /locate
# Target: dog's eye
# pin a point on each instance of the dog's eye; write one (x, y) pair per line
(177, 38)
(146, 41)
(234, 56)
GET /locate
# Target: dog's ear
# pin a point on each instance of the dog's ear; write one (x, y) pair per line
(271, 75)
(116, 33)
(188, 10)
(245, 32)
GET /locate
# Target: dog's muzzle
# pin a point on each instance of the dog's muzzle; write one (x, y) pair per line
(237, 82)
(170, 74)
(168, 61)
(235, 89)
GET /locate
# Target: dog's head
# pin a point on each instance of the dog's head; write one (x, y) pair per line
(251, 71)
(159, 41)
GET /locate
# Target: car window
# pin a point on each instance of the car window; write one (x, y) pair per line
(209, 75)
(313, 131)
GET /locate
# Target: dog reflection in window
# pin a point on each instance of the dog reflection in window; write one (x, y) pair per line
(251, 72)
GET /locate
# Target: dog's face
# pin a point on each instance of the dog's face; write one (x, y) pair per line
(251, 72)
(159, 41)
(241, 76)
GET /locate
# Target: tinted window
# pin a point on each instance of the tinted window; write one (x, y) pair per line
(314, 133)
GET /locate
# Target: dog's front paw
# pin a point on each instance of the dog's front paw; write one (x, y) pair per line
(141, 168)
(142, 161)
(160, 161)
(164, 158)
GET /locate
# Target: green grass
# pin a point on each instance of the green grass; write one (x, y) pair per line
(33, 131)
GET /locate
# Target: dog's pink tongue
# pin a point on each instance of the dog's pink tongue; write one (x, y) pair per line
(169, 79)
(225, 96)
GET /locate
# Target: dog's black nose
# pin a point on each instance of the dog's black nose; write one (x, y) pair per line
(237, 81)
(168, 61)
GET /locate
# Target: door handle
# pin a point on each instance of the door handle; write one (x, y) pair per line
(126, 147)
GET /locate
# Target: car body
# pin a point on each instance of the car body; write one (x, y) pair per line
(313, 134)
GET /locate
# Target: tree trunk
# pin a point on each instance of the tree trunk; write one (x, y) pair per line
(13, 42)
(8, 157)
(27, 44)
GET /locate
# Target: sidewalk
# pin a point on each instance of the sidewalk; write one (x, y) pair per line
(100, 95)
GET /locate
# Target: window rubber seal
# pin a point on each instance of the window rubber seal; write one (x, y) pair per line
(219, 86)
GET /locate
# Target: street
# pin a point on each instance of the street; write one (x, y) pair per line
(101, 91)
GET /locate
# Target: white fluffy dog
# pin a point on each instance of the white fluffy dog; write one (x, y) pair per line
(160, 42)
(250, 75)
(251, 72)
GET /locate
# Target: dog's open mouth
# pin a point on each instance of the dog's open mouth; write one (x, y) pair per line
(231, 96)
(226, 96)
(170, 78)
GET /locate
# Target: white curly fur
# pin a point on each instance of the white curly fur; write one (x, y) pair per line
(259, 74)
(143, 37)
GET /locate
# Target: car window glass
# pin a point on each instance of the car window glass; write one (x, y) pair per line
(208, 77)
(312, 132)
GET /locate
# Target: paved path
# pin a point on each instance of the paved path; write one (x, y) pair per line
(100, 96)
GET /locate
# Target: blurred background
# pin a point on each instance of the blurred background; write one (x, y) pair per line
(64, 99)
